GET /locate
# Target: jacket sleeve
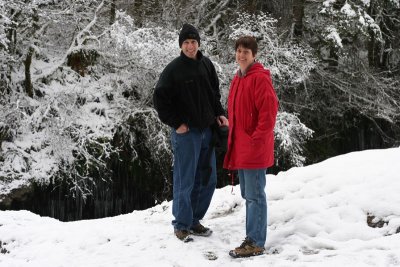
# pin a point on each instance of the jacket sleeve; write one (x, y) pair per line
(164, 94)
(266, 103)
(218, 109)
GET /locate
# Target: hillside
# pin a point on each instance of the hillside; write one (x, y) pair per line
(341, 212)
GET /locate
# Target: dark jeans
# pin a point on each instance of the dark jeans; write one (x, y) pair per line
(191, 198)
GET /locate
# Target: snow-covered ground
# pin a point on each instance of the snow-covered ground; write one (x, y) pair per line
(317, 217)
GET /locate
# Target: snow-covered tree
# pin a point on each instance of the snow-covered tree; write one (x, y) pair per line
(92, 89)
(4, 22)
(347, 20)
(291, 135)
(358, 64)
(356, 23)
(289, 62)
(39, 135)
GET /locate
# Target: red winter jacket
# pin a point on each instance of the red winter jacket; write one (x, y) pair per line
(252, 109)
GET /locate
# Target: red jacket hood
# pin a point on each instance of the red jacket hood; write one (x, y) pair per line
(255, 68)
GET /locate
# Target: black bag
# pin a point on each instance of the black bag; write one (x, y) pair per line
(219, 140)
(220, 137)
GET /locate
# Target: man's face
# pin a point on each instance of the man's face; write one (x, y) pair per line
(190, 48)
(244, 57)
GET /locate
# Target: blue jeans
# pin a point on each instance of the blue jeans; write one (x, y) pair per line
(191, 197)
(252, 189)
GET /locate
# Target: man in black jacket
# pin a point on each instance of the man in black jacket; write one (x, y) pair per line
(187, 98)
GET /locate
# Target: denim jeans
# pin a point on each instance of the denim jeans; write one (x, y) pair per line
(191, 197)
(252, 189)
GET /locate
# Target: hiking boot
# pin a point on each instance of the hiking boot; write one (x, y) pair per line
(200, 230)
(183, 235)
(247, 249)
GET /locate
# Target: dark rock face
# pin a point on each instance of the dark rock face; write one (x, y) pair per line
(20, 194)
(127, 185)
(108, 198)
(80, 60)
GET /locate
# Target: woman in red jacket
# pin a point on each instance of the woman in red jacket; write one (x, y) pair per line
(252, 109)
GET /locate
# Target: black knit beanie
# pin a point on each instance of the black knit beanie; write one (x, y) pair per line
(188, 32)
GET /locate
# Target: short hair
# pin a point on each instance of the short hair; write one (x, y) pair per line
(248, 42)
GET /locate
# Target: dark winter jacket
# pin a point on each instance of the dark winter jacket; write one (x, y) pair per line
(188, 92)
(252, 110)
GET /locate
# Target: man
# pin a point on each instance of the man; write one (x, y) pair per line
(187, 98)
(252, 110)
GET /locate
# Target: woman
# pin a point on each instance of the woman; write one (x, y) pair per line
(252, 109)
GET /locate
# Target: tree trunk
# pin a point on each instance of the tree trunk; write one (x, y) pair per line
(112, 12)
(281, 10)
(298, 14)
(28, 80)
(333, 57)
(138, 12)
(373, 44)
(11, 33)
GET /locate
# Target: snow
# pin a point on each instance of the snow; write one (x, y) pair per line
(361, 20)
(334, 36)
(396, 3)
(327, 3)
(317, 217)
(366, 2)
(348, 10)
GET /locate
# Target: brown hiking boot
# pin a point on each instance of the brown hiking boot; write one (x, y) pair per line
(200, 230)
(247, 249)
(183, 235)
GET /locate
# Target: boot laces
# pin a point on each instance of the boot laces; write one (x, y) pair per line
(246, 242)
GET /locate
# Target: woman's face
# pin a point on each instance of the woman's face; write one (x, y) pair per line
(244, 57)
